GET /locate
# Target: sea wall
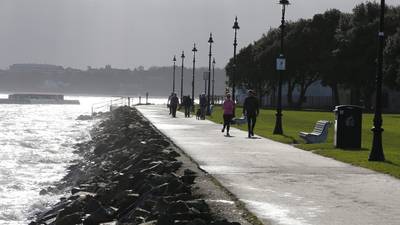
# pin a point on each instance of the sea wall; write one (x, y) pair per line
(131, 174)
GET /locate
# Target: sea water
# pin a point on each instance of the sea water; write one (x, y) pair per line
(36, 147)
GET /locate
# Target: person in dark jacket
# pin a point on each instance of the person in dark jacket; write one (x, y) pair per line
(251, 110)
(203, 105)
(174, 104)
(169, 103)
(187, 103)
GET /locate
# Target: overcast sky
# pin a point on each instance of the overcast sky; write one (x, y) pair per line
(130, 33)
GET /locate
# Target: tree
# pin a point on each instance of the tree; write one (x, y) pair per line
(392, 62)
(254, 65)
(302, 54)
(357, 52)
(392, 49)
(324, 28)
(334, 47)
(265, 52)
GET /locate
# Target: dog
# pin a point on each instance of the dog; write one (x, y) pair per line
(198, 114)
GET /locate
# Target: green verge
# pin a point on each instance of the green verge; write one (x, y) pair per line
(295, 121)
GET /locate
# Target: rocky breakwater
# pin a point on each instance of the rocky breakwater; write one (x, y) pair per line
(130, 175)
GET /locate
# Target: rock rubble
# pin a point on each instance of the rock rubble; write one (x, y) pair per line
(130, 175)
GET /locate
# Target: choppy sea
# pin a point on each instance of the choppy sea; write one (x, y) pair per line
(36, 147)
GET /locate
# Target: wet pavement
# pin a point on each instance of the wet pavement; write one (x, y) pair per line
(281, 184)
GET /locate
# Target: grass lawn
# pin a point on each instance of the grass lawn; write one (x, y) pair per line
(295, 121)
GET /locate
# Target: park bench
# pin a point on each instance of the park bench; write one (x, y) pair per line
(319, 134)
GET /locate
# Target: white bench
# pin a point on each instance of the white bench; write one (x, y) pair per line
(319, 134)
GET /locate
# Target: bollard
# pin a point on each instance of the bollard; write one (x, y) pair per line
(140, 100)
(147, 98)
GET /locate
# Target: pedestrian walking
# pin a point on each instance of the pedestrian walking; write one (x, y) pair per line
(203, 106)
(169, 103)
(174, 104)
(228, 106)
(187, 103)
(251, 111)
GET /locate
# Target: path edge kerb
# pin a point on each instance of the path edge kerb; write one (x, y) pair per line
(249, 216)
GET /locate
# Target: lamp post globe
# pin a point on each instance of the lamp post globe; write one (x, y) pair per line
(284, 2)
(194, 50)
(210, 41)
(183, 58)
(281, 61)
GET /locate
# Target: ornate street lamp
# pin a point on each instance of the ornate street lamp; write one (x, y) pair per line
(183, 57)
(173, 76)
(205, 78)
(235, 27)
(377, 149)
(194, 50)
(280, 66)
(210, 41)
(213, 81)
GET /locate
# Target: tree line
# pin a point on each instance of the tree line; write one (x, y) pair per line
(339, 49)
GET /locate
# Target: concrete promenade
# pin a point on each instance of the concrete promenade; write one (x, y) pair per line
(281, 184)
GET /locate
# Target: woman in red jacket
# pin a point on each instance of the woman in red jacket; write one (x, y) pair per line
(228, 108)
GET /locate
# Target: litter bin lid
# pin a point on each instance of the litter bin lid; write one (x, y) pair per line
(347, 107)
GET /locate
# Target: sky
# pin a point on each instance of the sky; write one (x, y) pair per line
(132, 33)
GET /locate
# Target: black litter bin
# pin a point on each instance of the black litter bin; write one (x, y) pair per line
(348, 123)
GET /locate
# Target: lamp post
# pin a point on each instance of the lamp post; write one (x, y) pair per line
(183, 57)
(377, 149)
(205, 77)
(210, 41)
(194, 50)
(173, 76)
(280, 66)
(235, 27)
(213, 81)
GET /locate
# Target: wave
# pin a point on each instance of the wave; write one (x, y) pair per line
(29, 144)
(36, 147)
(8, 215)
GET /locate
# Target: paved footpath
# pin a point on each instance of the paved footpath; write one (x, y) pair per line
(279, 183)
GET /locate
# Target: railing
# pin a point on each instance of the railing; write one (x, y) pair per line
(110, 105)
(113, 103)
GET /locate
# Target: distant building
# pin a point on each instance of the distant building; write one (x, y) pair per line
(390, 100)
(36, 68)
(317, 96)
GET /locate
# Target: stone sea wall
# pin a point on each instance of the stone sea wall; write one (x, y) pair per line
(131, 174)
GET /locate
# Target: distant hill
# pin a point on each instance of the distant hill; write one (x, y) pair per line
(157, 81)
